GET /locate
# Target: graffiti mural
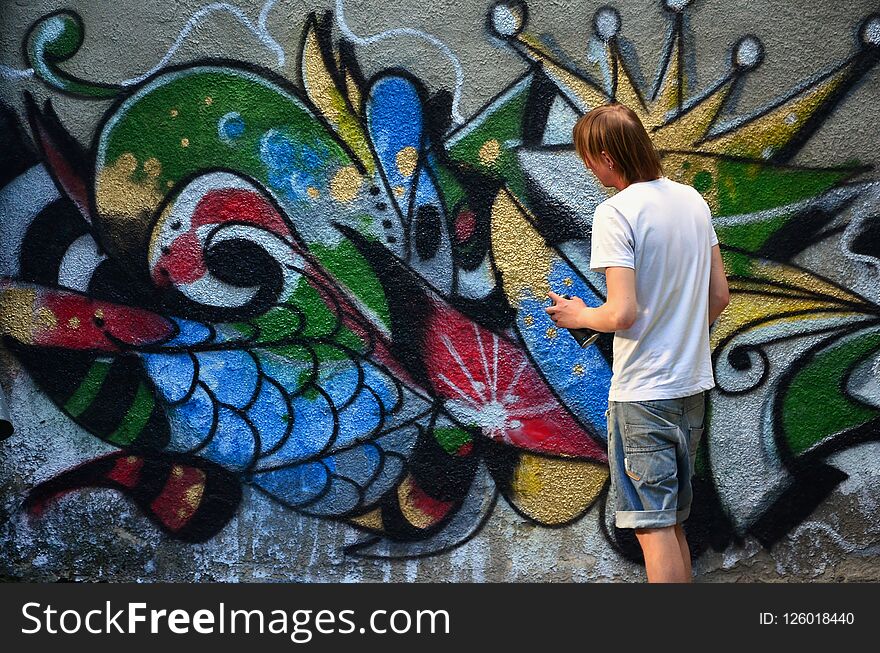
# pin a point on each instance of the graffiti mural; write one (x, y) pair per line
(326, 288)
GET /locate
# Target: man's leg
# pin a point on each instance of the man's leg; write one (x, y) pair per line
(685, 551)
(663, 555)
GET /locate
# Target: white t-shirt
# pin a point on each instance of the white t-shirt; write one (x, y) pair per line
(663, 230)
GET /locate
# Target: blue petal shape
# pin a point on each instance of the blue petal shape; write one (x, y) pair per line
(230, 374)
(294, 165)
(399, 402)
(361, 417)
(172, 374)
(397, 447)
(580, 377)
(313, 427)
(296, 485)
(339, 380)
(383, 385)
(392, 471)
(271, 415)
(192, 422)
(359, 420)
(191, 333)
(360, 464)
(342, 497)
(394, 122)
(233, 445)
(290, 374)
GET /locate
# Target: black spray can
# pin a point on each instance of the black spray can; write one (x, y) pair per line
(584, 337)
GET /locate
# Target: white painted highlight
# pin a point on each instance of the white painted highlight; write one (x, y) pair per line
(10, 73)
(408, 31)
(21, 200)
(259, 30)
(676, 5)
(560, 123)
(506, 20)
(829, 201)
(607, 22)
(597, 56)
(871, 31)
(748, 52)
(79, 263)
(863, 210)
(561, 175)
(176, 220)
(476, 283)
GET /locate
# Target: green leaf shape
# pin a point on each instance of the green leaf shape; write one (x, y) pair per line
(815, 405)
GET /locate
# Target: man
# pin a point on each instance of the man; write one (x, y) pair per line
(665, 281)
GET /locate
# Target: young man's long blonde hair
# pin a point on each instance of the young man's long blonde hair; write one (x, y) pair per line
(617, 130)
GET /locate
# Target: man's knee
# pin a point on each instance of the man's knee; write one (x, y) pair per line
(648, 532)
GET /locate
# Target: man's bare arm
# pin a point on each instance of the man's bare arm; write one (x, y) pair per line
(719, 293)
(616, 314)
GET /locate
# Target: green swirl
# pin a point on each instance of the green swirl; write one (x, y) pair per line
(53, 39)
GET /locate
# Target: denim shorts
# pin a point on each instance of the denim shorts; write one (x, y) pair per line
(651, 451)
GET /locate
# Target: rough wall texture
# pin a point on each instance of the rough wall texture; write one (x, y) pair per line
(273, 280)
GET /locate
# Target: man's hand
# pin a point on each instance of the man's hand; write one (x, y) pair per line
(616, 314)
(566, 313)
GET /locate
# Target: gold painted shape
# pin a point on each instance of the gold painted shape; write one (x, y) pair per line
(330, 100)
(519, 251)
(371, 520)
(345, 184)
(407, 159)
(126, 206)
(17, 311)
(765, 135)
(556, 490)
(775, 291)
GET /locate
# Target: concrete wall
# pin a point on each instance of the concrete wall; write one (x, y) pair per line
(273, 285)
